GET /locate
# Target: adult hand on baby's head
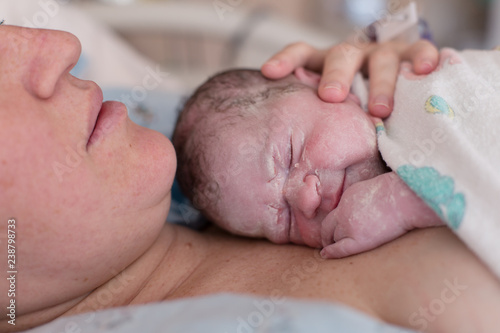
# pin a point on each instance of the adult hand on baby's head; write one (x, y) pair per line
(340, 63)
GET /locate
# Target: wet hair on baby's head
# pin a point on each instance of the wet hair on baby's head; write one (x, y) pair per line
(223, 100)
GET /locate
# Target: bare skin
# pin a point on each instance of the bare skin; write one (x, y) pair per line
(308, 172)
(97, 225)
(390, 283)
(339, 64)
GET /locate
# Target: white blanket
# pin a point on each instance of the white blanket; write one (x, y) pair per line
(443, 140)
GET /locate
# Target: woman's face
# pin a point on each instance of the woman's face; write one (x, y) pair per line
(89, 189)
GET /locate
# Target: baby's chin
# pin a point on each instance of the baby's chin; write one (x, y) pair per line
(277, 234)
(278, 238)
(247, 229)
(310, 240)
(308, 233)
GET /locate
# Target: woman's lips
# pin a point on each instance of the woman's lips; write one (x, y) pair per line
(110, 114)
(95, 104)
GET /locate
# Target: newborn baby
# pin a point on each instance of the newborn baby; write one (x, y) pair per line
(270, 159)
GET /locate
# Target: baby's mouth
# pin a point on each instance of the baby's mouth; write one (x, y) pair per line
(331, 193)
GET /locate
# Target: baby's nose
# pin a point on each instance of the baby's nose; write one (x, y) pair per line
(302, 195)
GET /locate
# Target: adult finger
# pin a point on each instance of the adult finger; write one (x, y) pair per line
(383, 67)
(424, 55)
(340, 65)
(291, 57)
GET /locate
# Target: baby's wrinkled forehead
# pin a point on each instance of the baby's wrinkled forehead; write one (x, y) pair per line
(243, 136)
(241, 170)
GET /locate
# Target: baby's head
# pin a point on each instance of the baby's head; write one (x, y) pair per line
(268, 158)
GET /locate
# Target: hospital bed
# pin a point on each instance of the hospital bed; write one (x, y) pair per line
(120, 71)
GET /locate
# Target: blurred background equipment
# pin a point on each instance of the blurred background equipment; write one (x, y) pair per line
(195, 38)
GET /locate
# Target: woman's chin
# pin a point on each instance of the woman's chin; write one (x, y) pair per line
(156, 156)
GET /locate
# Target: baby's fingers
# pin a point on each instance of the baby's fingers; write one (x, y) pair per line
(343, 248)
(291, 57)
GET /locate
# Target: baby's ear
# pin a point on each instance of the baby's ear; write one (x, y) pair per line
(307, 77)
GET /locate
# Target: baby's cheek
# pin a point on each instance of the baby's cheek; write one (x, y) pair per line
(353, 142)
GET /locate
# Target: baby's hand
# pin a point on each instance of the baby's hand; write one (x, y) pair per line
(371, 213)
(340, 63)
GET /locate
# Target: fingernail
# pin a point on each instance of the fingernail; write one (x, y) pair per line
(334, 85)
(426, 66)
(272, 63)
(381, 100)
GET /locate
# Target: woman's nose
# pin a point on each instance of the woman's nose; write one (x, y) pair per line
(302, 195)
(52, 54)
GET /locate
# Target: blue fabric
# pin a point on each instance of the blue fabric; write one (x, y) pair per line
(153, 109)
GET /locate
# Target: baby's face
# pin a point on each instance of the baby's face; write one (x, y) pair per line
(280, 174)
